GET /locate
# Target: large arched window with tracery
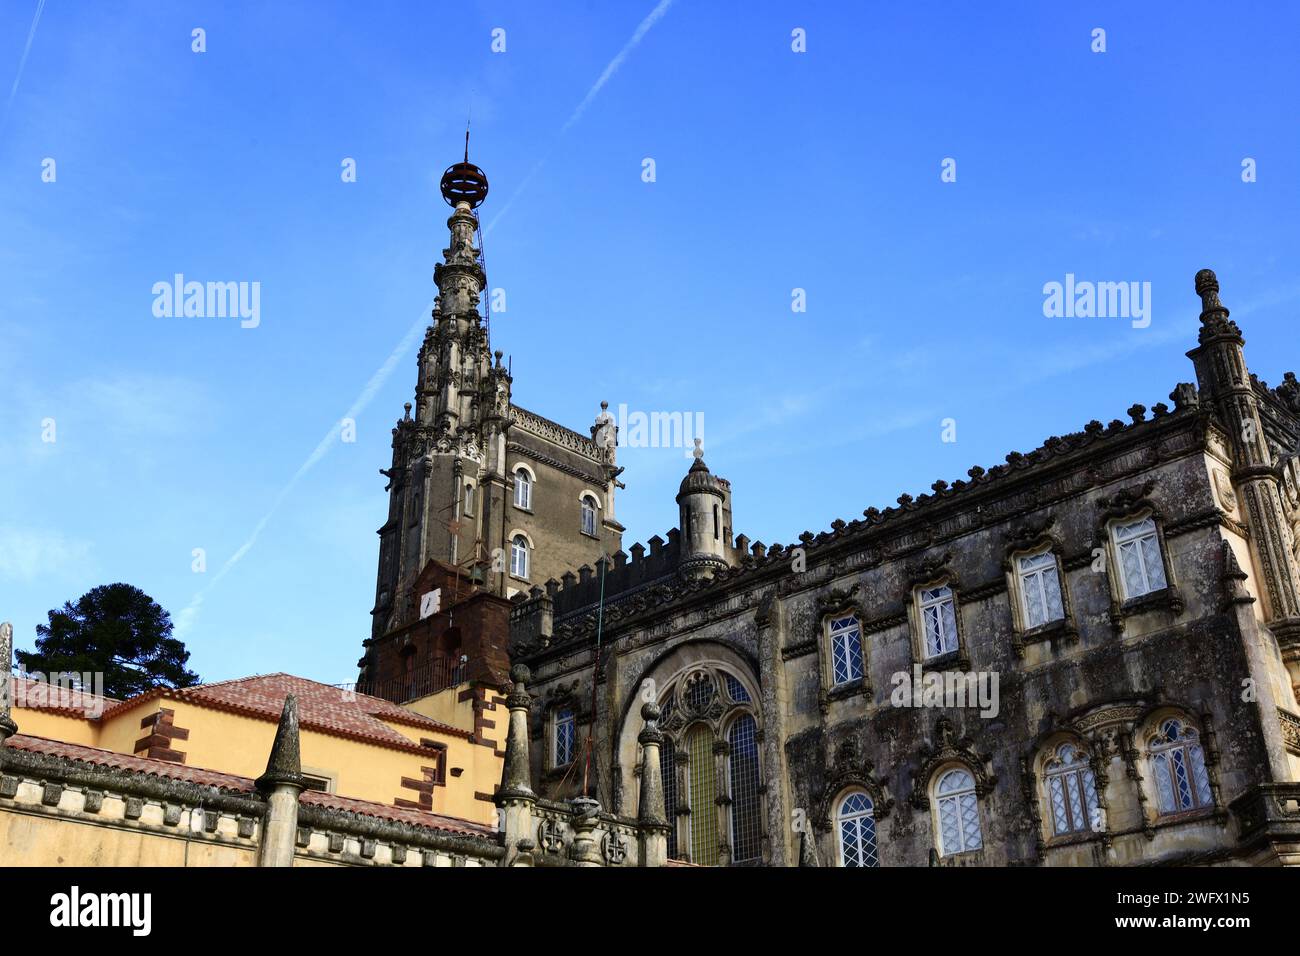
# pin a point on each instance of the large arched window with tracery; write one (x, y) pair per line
(1178, 765)
(855, 824)
(712, 768)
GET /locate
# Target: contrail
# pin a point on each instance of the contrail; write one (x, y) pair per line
(653, 17)
(185, 620)
(22, 63)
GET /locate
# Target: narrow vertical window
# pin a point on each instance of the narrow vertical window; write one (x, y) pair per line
(717, 530)
(469, 499)
(668, 772)
(1142, 569)
(1178, 763)
(1040, 589)
(588, 517)
(939, 616)
(703, 775)
(1071, 792)
(746, 830)
(959, 813)
(566, 735)
(519, 556)
(523, 490)
(856, 824)
(846, 650)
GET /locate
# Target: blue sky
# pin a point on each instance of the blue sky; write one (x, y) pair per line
(775, 170)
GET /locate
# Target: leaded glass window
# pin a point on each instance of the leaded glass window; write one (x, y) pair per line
(668, 772)
(703, 775)
(939, 615)
(1071, 791)
(1040, 589)
(566, 736)
(1142, 570)
(846, 650)
(959, 813)
(588, 516)
(1178, 763)
(856, 823)
(736, 690)
(746, 831)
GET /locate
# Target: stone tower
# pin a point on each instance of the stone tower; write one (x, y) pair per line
(500, 495)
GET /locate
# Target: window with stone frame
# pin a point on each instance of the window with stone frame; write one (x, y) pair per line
(468, 509)
(520, 556)
(844, 634)
(937, 606)
(1139, 557)
(564, 737)
(1070, 791)
(588, 515)
(711, 765)
(523, 489)
(855, 828)
(957, 812)
(1038, 580)
(1178, 771)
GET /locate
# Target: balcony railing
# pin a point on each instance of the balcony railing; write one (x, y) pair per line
(420, 680)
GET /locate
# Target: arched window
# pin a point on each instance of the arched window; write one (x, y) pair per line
(712, 767)
(958, 811)
(1142, 569)
(1071, 791)
(1178, 764)
(523, 489)
(588, 517)
(469, 499)
(704, 796)
(856, 825)
(519, 556)
(746, 830)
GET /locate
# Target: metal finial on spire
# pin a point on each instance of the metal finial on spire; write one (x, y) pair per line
(464, 182)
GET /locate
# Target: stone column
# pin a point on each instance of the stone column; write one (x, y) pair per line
(772, 688)
(584, 851)
(651, 814)
(515, 797)
(281, 785)
(7, 726)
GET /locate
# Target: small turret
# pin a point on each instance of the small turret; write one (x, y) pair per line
(701, 501)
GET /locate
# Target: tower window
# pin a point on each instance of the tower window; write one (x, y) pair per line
(469, 498)
(519, 556)
(588, 517)
(1142, 569)
(523, 490)
(716, 524)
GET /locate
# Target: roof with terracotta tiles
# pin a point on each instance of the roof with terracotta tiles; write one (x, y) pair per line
(237, 784)
(41, 695)
(321, 707)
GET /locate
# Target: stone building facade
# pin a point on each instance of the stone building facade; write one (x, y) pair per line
(1131, 588)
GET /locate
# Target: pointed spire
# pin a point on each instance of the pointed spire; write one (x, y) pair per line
(284, 767)
(1214, 315)
(7, 726)
(516, 775)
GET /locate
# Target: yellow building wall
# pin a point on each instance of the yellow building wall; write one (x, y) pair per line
(43, 723)
(32, 840)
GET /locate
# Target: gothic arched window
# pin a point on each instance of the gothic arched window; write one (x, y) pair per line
(958, 811)
(1178, 764)
(855, 822)
(519, 556)
(523, 489)
(712, 768)
(1071, 791)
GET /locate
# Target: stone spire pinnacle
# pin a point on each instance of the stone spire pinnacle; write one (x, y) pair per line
(284, 767)
(1214, 314)
(7, 726)
(516, 777)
